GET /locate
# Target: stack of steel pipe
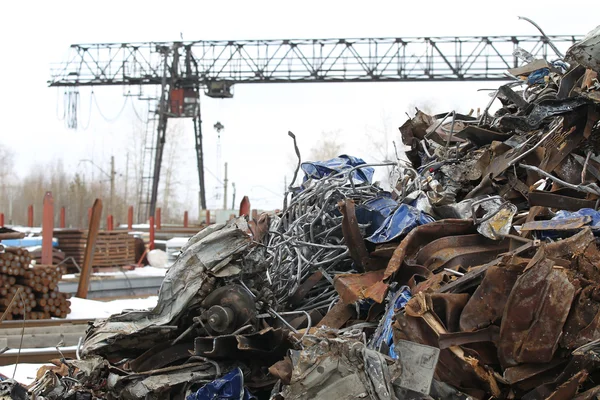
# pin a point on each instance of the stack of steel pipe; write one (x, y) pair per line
(39, 297)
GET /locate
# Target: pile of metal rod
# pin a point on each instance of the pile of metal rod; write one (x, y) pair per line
(30, 292)
(308, 238)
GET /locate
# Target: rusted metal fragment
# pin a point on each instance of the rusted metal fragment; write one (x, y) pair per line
(282, 370)
(480, 136)
(590, 394)
(413, 273)
(450, 369)
(448, 307)
(354, 240)
(583, 252)
(524, 372)
(432, 284)
(465, 256)
(567, 390)
(486, 306)
(305, 287)
(455, 241)
(559, 200)
(583, 324)
(586, 357)
(535, 313)
(385, 250)
(489, 334)
(337, 316)
(353, 287)
(468, 281)
(566, 224)
(421, 306)
(424, 234)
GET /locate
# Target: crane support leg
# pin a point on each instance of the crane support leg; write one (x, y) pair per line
(200, 157)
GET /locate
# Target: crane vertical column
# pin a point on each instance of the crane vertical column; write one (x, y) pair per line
(162, 127)
(200, 155)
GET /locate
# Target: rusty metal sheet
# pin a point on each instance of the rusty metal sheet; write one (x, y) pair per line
(282, 370)
(567, 390)
(535, 313)
(449, 369)
(524, 372)
(354, 240)
(590, 394)
(486, 306)
(448, 307)
(353, 287)
(337, 317)
(583, 324)
(424, 234)
(566, 224)
(582, 250)
(455, 241)
(559, 201)
(465, 256)
(489, 334)
(422, 306)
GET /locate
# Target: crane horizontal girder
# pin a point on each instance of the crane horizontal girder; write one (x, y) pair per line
(303, 60)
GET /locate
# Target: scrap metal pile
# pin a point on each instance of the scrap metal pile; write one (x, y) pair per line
(477, 276)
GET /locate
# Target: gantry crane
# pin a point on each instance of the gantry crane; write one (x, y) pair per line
(182, 69)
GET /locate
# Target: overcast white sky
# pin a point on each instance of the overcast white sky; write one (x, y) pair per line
(256, 120)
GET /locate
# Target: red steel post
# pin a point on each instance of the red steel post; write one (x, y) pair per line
(151, 244)
(207, 217)
(62, 223)
(158, 219)
(110, 223)
(130, 218)
(185, 219)
(47, 228)
(1, 219)
(30, 216)
(245, 206)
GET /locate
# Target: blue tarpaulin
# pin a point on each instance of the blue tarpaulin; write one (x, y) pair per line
(562, 214)
(321, 169)
(229, 387)
(374, 211)
(538, 76)
(403, 220)
(581, 213)
(398, 301)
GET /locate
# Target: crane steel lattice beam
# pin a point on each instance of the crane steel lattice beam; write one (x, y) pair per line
(217, 65)
(303, 60)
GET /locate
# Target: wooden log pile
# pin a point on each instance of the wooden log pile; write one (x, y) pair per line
(39, 297)
(113, 248)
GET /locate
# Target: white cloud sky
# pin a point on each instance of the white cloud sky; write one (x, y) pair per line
(254, 143)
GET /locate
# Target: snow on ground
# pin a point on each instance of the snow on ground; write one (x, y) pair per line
(25, 374)
(138, 272)
(84, 308)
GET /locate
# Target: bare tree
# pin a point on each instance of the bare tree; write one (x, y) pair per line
(169, 181)
(7, 158)
(328, 147)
